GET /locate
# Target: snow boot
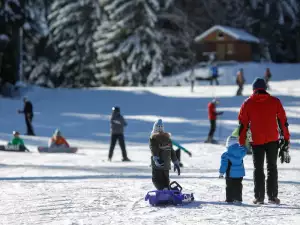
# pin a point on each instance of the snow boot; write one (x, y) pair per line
(126, 160)
(274, 200)
(258, 201)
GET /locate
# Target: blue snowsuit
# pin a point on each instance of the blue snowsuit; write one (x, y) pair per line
(232, 164)
(232, 161)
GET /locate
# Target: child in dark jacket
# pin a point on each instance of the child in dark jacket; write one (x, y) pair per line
(232, 165)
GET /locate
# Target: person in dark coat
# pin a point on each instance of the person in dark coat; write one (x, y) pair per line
(212, 116)
(28, 114)
(162, 153)
(233, 166)
(263, 113)
(267, 77)
(117, 124)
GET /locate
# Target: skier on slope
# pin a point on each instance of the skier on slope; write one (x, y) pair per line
(57, 140)
(162, 155)
(212, 116)
(263, 113)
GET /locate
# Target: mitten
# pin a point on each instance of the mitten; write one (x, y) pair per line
(158, 162)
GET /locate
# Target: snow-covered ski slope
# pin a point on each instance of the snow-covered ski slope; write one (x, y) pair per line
(84, 188)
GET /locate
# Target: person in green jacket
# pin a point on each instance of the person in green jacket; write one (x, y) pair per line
(236, 132)
(17, 141)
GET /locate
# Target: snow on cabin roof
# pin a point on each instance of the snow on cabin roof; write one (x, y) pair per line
(238, 34)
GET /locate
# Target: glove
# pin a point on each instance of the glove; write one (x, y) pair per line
(221, 175)
(158, 162)
(284, 151)
(177, 167)
(190, 154)
(220, 113)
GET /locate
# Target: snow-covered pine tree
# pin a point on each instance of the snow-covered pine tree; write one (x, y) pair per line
(72, 26)
(276, 21)
(36, 58)
(128, 43)
(282, 9)
(177, 39)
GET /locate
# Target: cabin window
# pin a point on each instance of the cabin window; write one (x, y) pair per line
(230, 49)
(220, 35)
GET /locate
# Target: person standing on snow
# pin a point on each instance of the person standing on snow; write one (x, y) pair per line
(267, 77)
(263, 113)
(117, 124)
(240, 81)
(162, 154)
(212, 116)
(28, 113)
(214, 75)
(232, 165)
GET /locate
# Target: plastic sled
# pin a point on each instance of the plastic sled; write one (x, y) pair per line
(13, 148)
(57, 150)
(173, 196)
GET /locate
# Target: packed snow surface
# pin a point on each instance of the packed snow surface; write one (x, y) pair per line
(85, 188)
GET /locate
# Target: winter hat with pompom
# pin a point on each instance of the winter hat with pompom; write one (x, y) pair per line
(158, 126)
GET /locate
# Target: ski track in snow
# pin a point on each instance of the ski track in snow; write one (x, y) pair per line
(84, 188)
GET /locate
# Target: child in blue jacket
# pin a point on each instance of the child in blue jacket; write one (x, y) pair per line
(232, 165)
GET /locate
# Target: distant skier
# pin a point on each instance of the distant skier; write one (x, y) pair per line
(263, 113)
(212, 116)
(58, 140)
(28, 114)
(240, 81)
(232, 165)
(117, 124)
(214, 75)
(267, 77)
(162, 154)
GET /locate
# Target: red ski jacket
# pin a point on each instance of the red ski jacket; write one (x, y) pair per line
(212, 114)
(263, 113)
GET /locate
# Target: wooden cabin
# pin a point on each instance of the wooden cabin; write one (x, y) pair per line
(227, 43)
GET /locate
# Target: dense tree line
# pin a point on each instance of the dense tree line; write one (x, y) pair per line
(86, 43)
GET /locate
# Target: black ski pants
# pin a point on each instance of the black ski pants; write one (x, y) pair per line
(234, 189)
(160, 179)
(212, 130)
(28, 121)
(271, 151)
(113, 140)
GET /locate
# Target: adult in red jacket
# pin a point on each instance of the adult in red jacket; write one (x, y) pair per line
(212, 116)
(265, 116)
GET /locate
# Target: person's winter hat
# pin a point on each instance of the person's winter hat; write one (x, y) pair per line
(259, 83)
(16, 133)
(116, 109)
(57, 132)
(158, 126)
(215, 101)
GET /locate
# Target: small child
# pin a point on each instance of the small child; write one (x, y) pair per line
(232, 164)
(162, 155)
(16, 140)
(58, 140)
